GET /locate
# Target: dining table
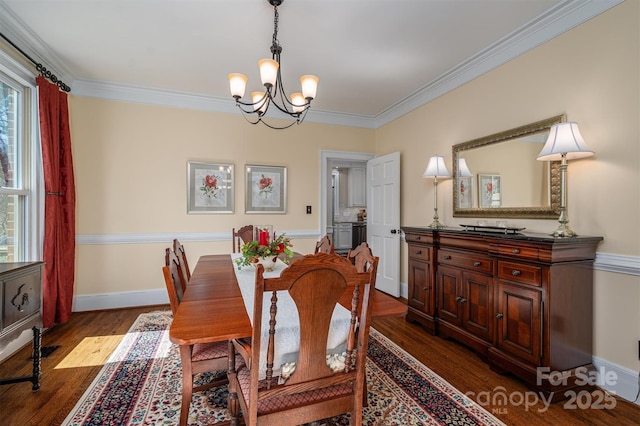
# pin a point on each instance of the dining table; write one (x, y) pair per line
(212, 307)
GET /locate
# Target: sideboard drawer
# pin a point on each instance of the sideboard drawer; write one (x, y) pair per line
(475, 262)
(519, 252)
(418, 238)
(520, 272)
(419, 252)
(21, 296)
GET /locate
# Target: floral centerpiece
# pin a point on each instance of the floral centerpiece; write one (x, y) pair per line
(265, 248)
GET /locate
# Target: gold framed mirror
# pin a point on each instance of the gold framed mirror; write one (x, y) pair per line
(499, 176)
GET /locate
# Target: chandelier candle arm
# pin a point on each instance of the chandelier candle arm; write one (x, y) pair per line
(296, 106)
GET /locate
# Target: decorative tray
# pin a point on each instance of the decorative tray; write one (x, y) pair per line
(489, 228)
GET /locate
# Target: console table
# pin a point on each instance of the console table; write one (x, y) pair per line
(523, 301)
(20, 297)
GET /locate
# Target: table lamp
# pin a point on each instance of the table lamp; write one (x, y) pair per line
(463, 169)
(564, 143)
(436, 169)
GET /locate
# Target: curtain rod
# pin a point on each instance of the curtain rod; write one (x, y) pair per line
(41, 68)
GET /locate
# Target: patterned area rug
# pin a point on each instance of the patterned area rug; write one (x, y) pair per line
(141, 383)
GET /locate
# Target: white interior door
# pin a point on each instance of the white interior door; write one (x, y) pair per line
(383, 219)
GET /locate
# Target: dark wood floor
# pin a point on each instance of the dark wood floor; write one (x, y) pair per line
(61, 388)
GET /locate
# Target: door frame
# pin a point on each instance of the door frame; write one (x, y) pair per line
(325, 177)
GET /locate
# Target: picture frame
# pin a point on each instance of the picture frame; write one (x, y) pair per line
(265, 189)
(465, 192)
(210, 187)
(489, 190)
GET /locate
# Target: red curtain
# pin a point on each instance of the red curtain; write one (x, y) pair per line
(60, 205)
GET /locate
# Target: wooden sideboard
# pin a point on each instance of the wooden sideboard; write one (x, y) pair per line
(20, 299)
(523, 301)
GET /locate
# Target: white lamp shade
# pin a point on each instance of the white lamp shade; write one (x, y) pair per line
(237, 84)
(564, 138)
(463, 169)
(298, 102)
(259, 101)
(268, 71)
(436, 168)
(309, 86)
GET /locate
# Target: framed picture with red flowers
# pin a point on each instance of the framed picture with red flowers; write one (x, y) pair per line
(209, 187)
(465, 192)
(266, 189)
(489, 190)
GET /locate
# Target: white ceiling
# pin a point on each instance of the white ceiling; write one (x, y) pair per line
(376, 59)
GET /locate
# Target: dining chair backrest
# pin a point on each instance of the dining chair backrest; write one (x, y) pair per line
(242, 236)
(324, 245)
(326, 392)
(174, 279)
(361, 257)
(182, 258)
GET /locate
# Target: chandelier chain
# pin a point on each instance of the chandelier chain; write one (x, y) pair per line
(275, 42)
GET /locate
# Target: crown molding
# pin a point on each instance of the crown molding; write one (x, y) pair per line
(556, 21)
(16, 31)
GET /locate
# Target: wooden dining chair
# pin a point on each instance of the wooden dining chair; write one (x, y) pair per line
(172, 261)
(324, 245)
(182, 258)
(244, 235)
(313, 390)
(198, 358)
(360, 257)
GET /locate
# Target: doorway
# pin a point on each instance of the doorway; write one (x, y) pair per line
(327, 160)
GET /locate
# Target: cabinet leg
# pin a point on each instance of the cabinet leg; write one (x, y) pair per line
(35, 378)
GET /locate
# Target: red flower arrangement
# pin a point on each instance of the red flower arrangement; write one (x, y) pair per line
(254, 250)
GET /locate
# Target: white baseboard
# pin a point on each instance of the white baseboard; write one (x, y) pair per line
(128, 299)
(620, 380)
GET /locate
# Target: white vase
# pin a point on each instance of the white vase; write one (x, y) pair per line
(269, 263)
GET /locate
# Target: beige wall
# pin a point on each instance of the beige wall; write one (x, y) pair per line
(130, 162)
(131, 177)
(591, 73)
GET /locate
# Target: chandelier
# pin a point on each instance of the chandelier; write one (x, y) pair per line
(295, 107)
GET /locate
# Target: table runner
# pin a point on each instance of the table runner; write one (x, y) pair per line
(287, 320)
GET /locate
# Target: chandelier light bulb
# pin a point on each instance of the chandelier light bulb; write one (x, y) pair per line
(298, 102)
(259, 101)
(268, 71)
(309, 86)
(237, 84)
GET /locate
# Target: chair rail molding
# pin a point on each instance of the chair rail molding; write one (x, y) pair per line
(622, 264)
(97, 239)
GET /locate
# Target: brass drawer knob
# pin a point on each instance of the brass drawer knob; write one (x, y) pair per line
(477, 263)
(499, 316)
(447, 257)
(515, 251)
(515, 272)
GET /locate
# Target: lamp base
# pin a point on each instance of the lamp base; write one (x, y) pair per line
(563, 231)
(436, 225)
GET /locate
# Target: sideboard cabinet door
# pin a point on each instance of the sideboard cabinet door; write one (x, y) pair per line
(519, 321)
(421, 284)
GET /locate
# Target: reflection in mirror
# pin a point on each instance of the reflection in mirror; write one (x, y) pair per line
(498, 175)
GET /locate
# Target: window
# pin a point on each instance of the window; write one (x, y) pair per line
(20, 185)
